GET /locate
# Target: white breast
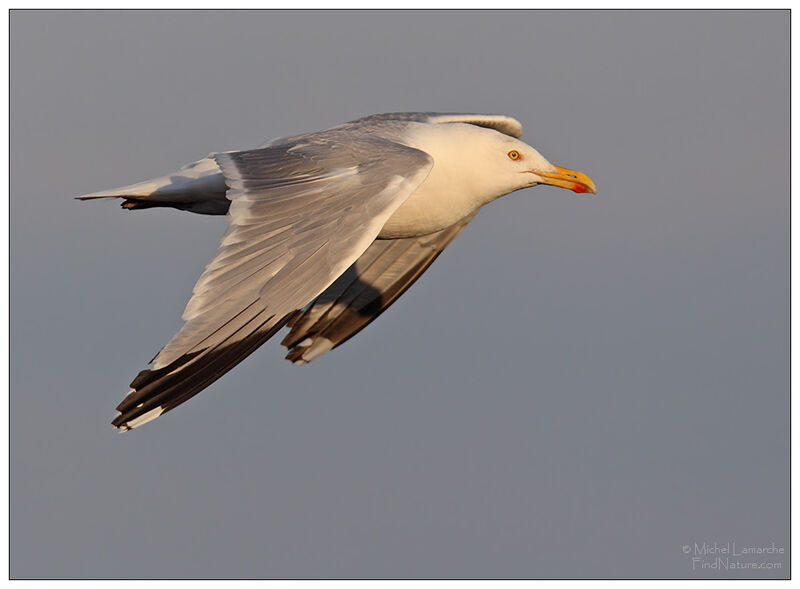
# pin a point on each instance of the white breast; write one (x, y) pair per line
(458, 184)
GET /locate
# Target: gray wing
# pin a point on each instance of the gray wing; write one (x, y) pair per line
(376, 280)
(501, 123)
(299, 216)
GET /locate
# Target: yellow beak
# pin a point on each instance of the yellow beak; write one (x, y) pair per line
(572, 179)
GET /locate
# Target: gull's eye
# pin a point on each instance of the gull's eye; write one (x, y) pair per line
(514, 155)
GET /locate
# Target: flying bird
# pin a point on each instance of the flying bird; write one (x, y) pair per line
(326, 230)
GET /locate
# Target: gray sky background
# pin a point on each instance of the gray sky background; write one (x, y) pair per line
(578, 387)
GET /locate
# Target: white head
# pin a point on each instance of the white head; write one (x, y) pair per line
(513, 164)
(492, 164)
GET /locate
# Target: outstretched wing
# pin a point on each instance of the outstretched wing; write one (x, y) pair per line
(300, 214)
(376, 280)
(501, 123)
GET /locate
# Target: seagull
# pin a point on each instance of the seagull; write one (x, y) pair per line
(326, 230)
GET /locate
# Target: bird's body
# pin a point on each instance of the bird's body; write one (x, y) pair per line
(326, 230)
